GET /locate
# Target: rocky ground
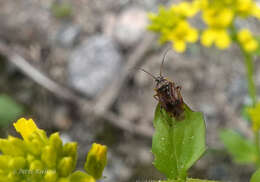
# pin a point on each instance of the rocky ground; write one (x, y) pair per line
(93, 50)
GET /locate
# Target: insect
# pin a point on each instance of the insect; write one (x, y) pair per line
(168, 94)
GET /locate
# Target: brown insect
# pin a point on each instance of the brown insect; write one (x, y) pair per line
(168, 94)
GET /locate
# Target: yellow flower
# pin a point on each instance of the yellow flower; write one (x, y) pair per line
(256, 12)
(220, 37)
(218, 15)
(254, 113)
(181, 34)
(247, 41)
(251, 45)
(100, 151)
(244, 7)
(25, 127)
(203, 4)
(173, 26)
(218, 18)
(96, 160)
(185, 9)
(223, 39)
(244, 35)
(208, 37)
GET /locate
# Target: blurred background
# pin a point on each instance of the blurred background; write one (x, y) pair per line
(72, 66)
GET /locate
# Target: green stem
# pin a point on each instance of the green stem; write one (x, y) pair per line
(248, 60)
(250, 71)
(256, 140)
(252, 93)
(183, 176)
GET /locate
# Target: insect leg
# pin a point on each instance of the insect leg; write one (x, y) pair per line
(156, 97)
(178, 90)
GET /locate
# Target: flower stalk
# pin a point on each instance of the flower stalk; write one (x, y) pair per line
(248, 61)
(250, 71)
(252, 93)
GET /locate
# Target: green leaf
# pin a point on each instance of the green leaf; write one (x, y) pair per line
(256, 176)
(177, 145)
(9, 110)
(242, 150)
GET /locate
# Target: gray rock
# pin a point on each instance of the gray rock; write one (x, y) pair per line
(108, 24)
(237, 92)
(208, 109)
(68, 35)
(219, 172)
(116, 170)
(130, 26)
(94, 64)
(65, 138)
(150, 4)
(24, 22)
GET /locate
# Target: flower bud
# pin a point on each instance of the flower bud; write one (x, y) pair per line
(70, 149)
(4, 162)
(254, 113)
(79, 176)
(49, 156)
(56, 142)
(30, 158)
(35, 146)
(17, 145)
(36, 165)
(36, 169)
(96, 160)
(64, 180)
(12, 146)
(5, 147)
(17, 163)
(12, 177)
(50, 176)
(65, 166)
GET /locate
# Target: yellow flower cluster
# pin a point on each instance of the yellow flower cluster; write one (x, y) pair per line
(241, 8)
(218, 16)
(173, 26)
(254, 113)
(217, 22)
(46, 159)
(247, 41)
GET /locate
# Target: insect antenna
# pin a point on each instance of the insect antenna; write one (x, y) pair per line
(148, 73)
(164, 56)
